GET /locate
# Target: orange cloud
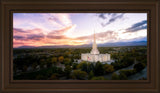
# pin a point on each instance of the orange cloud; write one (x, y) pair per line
(36, 37)
(60, 32)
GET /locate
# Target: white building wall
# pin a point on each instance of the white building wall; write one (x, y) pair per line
(95, 57)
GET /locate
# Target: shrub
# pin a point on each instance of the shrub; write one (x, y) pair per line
(77, 74)
(122, 76)
(115, 76)
(74, 65)
(67, 71)
(54, 76)
(98, 78)
(99, 70)
(127, 72)
(139, 66)
(91, 74)
(40, 77)
(108, 68)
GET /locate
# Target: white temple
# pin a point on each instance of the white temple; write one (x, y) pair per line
(94, 55)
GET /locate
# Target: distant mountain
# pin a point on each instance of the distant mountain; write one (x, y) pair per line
(133, 43)
(27, 47)
(115, 44)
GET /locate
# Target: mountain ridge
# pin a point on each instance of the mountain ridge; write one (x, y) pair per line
(115, 44)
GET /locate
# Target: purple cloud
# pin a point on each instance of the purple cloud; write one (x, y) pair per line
(35, 37)
(137, 26)
(18, 37)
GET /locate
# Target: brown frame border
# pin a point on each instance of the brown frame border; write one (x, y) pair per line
(151, 85)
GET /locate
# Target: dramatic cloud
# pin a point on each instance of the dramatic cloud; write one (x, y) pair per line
(45, 29)
(102, 15)
(56, 37)
(59, 19)
(22, 32)
(108, 35)
(84, 37)
(29, 37)
(101, 37)
(34, 34)
(59, 32)
(137, 26)
(110, 18)
(18, 37)
(35, 37)
(16, 30)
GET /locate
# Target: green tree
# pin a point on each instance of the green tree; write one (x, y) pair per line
(67, 54)
(81, 63)
(91, 74)
(34, 65)
(108, 68)
(122, 76)
(115, 76)
(98, 78)
(139, 66)
(40, 77)
(90, 67)
(54, 76)
(99, 70)
(82, 66)
(67, 70)
(42, 63)
(61, 59)
(127, 72)
(77, 74)
(59, 70)
(74, 65)
(49, 62)
(67, 61)
(54, 60)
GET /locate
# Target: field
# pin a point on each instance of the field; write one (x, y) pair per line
(65, 64)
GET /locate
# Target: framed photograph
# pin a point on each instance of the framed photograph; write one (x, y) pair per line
(83, 46)
(60, 46)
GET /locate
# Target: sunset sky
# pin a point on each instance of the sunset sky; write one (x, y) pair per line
(45, 29)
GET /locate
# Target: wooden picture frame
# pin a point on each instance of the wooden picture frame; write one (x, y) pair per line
(8, 85)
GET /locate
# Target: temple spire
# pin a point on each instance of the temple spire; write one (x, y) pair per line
(94, 46)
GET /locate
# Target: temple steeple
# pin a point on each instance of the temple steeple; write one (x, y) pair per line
(94, 46)
(94, 55)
